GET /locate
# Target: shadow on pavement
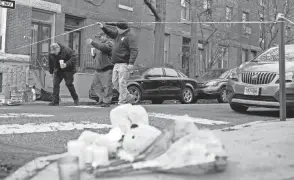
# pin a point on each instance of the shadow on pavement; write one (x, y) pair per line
(268, 113)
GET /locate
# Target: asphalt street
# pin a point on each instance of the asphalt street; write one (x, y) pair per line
(30, 131)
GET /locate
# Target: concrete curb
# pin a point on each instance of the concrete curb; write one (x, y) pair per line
(30, 169)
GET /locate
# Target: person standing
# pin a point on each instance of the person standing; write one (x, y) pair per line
(62, 64)
(124, 55)
(102, 82)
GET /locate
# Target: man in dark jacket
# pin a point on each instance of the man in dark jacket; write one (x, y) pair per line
(102, 82)
(124, 55)
(62, 64)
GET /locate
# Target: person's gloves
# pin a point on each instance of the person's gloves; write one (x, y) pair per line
(130, 67)
(89, 41)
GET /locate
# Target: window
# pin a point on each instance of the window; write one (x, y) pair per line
(166, 47)
(73, 39)
(206, 4)
(229, 13)
(1, 79)
(228, 16)
(41, 29)
(245, 16)
(3, 13)
(207, 10)
(185, 11)
(126, 4)
(223, 58)
(245, 57)
(171, 72)
(155, 72)
(262, 3)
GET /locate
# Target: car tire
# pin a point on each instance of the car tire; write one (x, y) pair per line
(134, 90)
(157, 101)
(238, 108)
(223, 95)
(187, 96)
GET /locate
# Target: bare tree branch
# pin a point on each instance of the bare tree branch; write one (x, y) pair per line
(153, 10)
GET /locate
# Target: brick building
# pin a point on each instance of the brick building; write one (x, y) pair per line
(38, 20)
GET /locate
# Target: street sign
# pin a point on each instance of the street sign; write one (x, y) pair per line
(7, 4)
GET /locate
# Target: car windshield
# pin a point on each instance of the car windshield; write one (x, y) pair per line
(225, 74)
(272, 55)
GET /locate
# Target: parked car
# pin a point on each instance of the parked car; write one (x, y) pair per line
(212, 84)
(256, 83)
(158, 84)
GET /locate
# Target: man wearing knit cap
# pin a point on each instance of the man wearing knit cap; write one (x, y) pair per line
(124, 55)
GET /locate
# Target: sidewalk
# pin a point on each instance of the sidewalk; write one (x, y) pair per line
(259, 150)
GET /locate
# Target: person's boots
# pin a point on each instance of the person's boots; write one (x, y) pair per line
(53, 103)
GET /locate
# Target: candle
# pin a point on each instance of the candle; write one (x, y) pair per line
(89, 155)
(77, 148)
(100, 156)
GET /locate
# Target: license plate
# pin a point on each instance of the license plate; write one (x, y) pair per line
(251, 91)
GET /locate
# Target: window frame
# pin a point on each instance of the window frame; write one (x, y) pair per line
(126, 7)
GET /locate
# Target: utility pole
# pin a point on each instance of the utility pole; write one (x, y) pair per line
(280, 18)
(193, 60)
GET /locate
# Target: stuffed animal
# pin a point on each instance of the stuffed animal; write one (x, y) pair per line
(137, 139)
(124, 116)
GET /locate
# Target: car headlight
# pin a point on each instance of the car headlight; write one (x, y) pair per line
(212, 83)
(289, 77)
(234, 76)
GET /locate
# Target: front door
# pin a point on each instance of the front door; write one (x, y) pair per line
(41, 34)
(173, 83)
(73, 40)
(151, 85)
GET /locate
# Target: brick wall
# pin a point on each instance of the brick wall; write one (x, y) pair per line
(17, 29)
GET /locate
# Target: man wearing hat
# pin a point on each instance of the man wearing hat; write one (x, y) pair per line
(124, 55)
(102, 82)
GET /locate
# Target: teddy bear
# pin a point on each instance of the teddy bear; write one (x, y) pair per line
(136, 140)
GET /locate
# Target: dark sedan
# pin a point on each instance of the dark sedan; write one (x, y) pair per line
(212, 85)
(158, 84)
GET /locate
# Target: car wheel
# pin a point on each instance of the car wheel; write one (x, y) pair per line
(223, 96)
(135, 91)
(238, 108)
(187, 96)
(157, 101)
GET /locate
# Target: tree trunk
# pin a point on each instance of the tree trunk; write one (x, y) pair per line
(159, 34)
(194, 68)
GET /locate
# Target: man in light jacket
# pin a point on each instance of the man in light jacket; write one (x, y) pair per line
(102, 82)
